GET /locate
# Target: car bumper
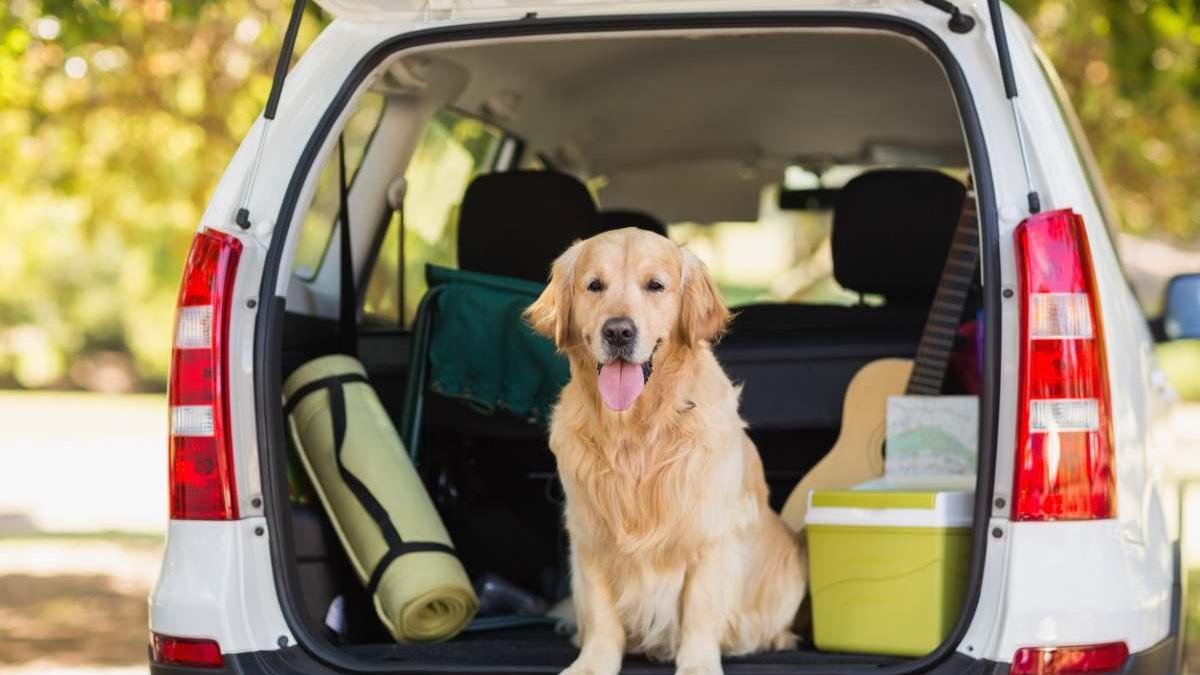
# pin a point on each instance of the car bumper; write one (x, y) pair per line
(1161, 659)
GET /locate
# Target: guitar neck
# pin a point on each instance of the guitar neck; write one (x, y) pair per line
(941, 326)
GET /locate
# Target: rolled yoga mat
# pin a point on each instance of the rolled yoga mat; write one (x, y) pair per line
(383, 516)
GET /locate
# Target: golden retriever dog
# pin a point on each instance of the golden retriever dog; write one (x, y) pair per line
(674, 551)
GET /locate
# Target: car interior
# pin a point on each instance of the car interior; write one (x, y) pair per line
(819, 174)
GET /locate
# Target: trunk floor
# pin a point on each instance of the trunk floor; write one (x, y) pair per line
(540, 649)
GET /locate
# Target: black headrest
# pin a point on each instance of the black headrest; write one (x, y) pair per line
(892, 230)
(622, 218)
(515, 224)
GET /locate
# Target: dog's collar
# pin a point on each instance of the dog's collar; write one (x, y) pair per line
(648, 366)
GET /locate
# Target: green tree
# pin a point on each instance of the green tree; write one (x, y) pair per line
(116, 120)
(1130, 69)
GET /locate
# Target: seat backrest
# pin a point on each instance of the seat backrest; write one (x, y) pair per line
(891, 233)
(892, 230)
(515, 224)
(617, 219)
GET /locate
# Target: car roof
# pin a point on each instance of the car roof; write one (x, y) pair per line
(433, 10)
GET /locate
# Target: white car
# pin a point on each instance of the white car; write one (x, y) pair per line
(747, 126)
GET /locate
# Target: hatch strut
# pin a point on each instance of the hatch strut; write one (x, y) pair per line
(1010, 91)
(281, 68)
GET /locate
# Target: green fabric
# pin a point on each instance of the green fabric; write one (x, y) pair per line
(484, 353)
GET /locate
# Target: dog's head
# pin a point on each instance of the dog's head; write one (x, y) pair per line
(619, 298)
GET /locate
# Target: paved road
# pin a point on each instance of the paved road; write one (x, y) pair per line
(82, 462)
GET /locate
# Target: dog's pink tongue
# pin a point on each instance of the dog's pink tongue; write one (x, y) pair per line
(620, 384)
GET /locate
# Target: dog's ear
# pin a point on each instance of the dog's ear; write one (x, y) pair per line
(550, 314)
(702, 312)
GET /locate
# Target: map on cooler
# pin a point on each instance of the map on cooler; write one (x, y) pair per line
(932, 436)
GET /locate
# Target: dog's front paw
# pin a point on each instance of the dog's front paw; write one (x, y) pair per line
(712, 669)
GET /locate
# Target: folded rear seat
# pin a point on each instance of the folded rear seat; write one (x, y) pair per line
(891, 232)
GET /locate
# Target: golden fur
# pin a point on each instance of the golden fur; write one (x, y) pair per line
(675, 552)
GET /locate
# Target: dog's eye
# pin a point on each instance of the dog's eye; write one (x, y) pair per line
(655, 286)
(595, 286)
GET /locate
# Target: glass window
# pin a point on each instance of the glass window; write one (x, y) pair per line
(319, 222)
(453, 149)
(786, 255)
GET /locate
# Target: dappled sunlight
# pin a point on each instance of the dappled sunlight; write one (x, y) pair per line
(75, 601)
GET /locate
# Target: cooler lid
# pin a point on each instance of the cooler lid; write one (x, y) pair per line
(890, 508)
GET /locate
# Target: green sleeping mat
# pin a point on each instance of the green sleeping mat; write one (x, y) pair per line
(383, 516)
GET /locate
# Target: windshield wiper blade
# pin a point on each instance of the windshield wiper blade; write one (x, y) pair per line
(959, 22)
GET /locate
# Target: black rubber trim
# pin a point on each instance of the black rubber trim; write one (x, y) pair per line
(1154, 661)
(267, 334)
(396, 546)
(1161, 659)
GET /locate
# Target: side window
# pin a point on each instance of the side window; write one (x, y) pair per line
(322, 215)
(453, 149)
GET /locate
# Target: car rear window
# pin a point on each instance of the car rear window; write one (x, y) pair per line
(322, 215)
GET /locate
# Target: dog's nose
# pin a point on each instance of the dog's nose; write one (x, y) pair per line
(619, 332)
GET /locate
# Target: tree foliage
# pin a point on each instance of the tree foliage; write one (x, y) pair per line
(116, 119)
(118, 116)
(1130, 69)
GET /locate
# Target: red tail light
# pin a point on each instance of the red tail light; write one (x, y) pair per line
(201, 462)
(185, 651)
(1063, 660)
(1064, 468)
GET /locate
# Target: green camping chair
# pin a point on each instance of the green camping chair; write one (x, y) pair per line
(471, 343)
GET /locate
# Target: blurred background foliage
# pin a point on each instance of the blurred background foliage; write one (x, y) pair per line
(117, 118)
(1130, 68)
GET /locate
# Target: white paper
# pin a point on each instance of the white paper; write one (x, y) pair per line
(932, 437)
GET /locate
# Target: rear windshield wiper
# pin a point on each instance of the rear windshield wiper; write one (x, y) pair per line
(959, 22)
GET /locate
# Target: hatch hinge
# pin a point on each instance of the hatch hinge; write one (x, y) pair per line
(438, 10)
(959, 21)
(1010, 91)
(242, 217)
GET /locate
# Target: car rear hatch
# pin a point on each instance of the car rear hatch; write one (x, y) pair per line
(440, 10)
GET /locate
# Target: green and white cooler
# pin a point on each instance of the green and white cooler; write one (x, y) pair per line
(887, 568)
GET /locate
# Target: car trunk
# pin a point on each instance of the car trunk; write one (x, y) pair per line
(793, 349)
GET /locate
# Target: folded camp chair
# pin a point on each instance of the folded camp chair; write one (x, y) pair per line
(471, 343)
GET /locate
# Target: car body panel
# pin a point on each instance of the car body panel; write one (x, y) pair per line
(217, 583)
(1039, 575)
(431, 11)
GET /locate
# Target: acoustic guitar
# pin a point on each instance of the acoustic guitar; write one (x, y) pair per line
(857, 456)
